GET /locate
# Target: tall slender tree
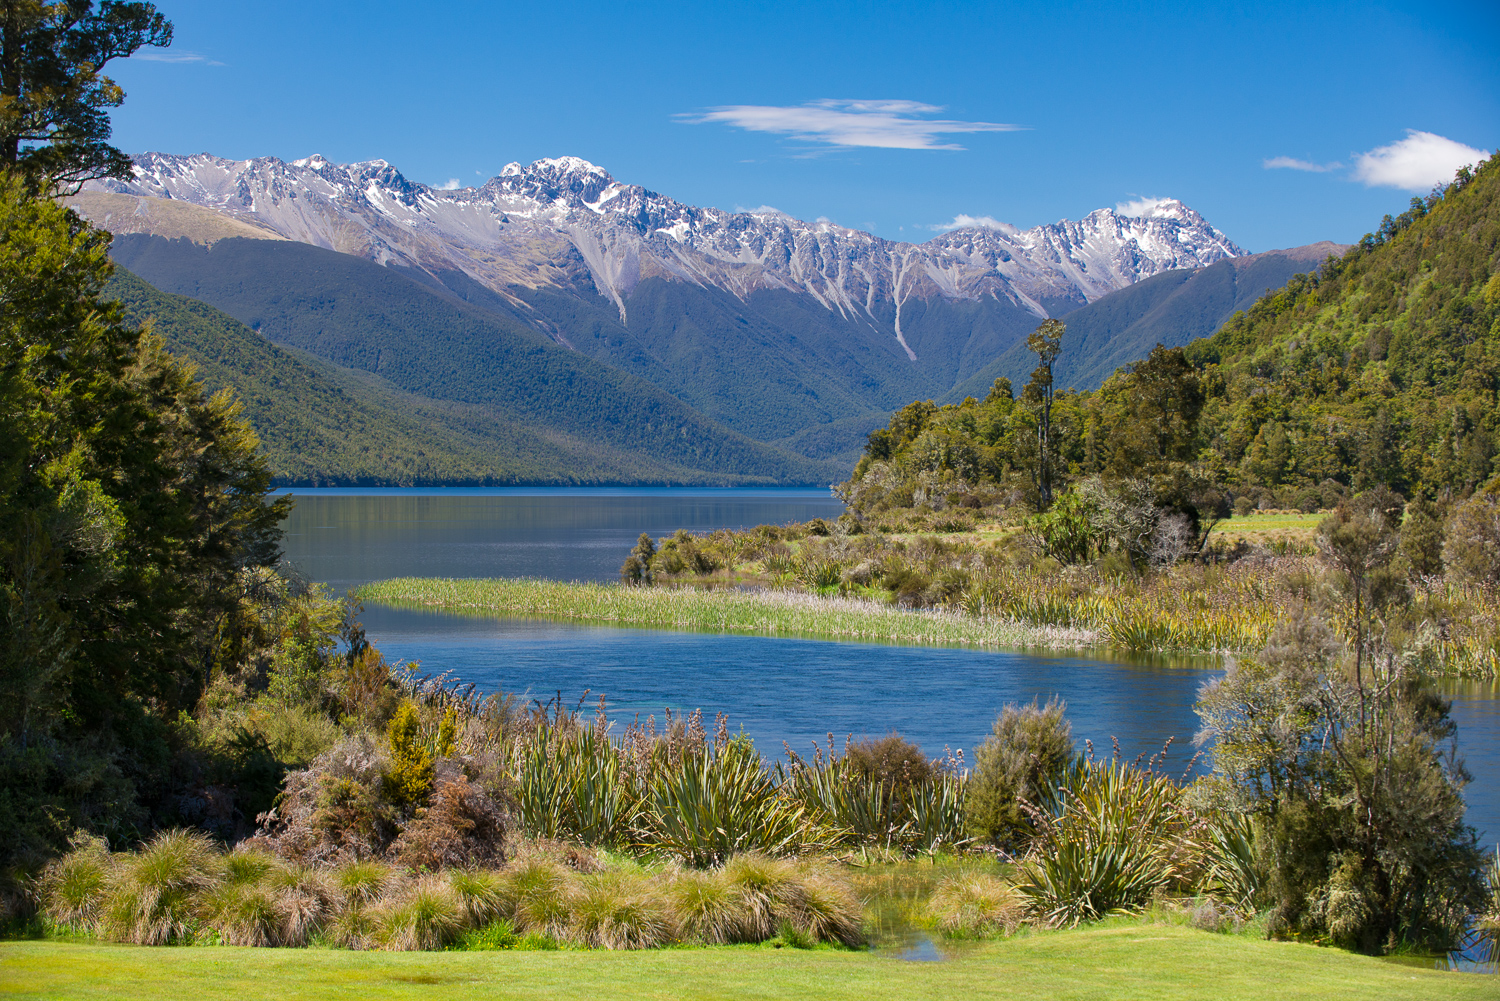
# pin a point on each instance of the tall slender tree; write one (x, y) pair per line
(1046, 342)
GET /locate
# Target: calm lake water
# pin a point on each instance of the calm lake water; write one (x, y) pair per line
(776, 689)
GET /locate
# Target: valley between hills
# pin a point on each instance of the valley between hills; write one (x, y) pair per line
(555, 326)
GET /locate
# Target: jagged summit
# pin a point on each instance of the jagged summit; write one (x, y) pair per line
(521, 228)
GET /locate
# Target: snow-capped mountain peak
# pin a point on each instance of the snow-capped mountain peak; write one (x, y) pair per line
(519, 228)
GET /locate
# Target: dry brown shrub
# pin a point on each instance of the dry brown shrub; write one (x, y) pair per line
(460, 827)
(333, 810)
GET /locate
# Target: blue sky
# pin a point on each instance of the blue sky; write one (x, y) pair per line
(892, 117)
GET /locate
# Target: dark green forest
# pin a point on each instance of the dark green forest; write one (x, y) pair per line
(361, 316)
(320, 425)
(1382, 367)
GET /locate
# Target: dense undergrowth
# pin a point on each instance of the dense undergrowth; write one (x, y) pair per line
(427, 817)
(1000, 573)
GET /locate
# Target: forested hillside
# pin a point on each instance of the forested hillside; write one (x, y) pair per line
(320, 425)
(1172, 309)
(1380, 368)
(520, 406)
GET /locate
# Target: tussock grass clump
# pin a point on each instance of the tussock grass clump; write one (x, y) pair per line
(152, 893)
(706, 906)
(537, 895)
(618, 911)
(73, 888)
(825, 909)
(246, 914)
(181, 885)
(480, 892)
(766, 888)
(362, 882)
(426, 914)
(976, 904)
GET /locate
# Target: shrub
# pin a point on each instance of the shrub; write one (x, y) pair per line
(1019, 762)
(1421, 548)
(461, 826)
(335, 809)
(409, 779)
(976, 904)
(892, 761)
(1471, 551)
(152, 892)
(293, 733)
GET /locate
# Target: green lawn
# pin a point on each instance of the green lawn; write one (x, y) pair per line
(1115, 963)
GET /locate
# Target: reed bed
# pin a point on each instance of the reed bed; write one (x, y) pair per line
(753, 613)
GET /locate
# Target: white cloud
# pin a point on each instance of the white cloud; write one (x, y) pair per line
(1147, 208)
(175, 57)
(1292, 163)
(962, 221)
(1415, 163)
(760, 210)
(880, 124)
(452, 185)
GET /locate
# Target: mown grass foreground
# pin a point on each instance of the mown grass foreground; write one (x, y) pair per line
(722, 610)
(1110, 962)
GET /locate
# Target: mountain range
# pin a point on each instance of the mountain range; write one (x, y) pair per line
(797, 337)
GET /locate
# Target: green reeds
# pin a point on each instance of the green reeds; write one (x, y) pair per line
(763, 613)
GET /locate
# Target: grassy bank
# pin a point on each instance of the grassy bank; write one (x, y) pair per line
(1116, 962)
(724, 610)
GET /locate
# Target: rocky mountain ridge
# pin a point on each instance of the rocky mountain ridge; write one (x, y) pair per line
(567, 224)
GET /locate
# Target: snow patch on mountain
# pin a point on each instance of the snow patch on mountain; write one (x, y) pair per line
(524, 226)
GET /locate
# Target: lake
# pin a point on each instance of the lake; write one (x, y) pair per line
(776, 689)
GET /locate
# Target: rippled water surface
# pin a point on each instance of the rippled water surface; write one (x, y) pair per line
(776, 689)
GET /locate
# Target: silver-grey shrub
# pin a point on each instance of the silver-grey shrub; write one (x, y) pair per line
(1019, 761)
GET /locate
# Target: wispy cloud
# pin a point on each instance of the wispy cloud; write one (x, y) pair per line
(1292, 163)
(154, 56)
(1416, 163)
(830, 122)
(962, 221)
(452, 184)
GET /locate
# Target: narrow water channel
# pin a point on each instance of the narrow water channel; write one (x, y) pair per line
(776, 689)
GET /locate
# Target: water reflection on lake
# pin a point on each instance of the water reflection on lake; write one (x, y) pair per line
(777, 689)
